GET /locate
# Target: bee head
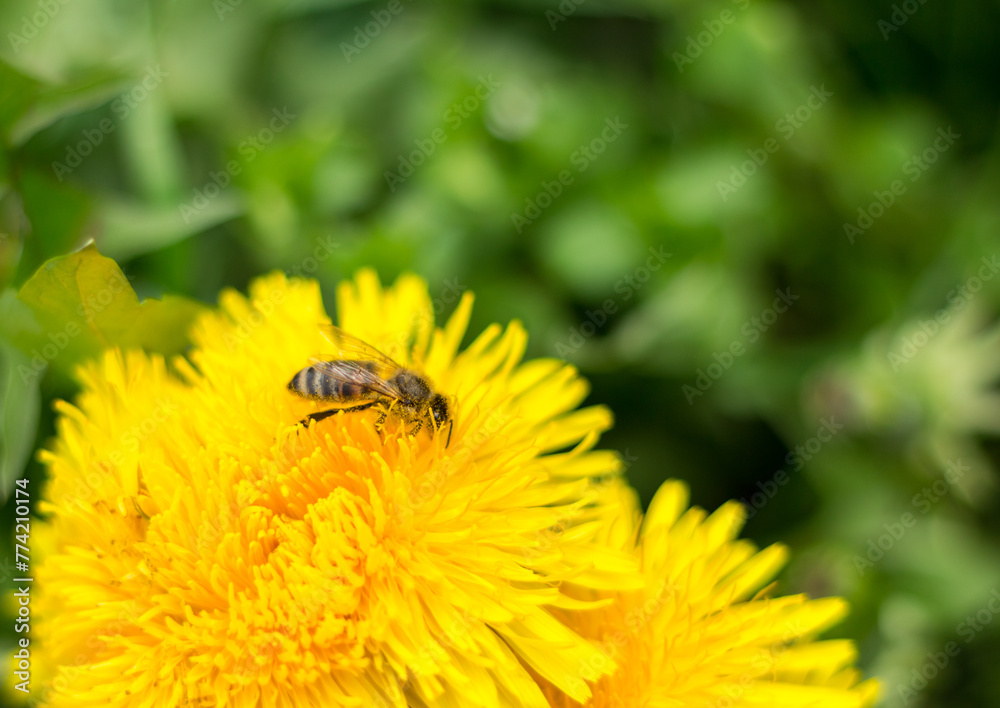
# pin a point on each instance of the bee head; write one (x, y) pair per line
(441, 414)
(440, 410)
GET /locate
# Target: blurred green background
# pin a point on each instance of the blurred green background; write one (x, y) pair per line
(766, 231)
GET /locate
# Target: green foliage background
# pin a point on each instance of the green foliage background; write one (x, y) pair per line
(117, 120)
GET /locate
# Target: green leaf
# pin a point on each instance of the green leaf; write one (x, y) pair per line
(17, 91)
(132, 228)
(78, 305)
(51, 104)
(58, 214)
(19, 406)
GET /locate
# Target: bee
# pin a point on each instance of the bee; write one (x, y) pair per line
(367, 378)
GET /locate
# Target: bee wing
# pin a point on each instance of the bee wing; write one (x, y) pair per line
(350, 347)
(354, 371)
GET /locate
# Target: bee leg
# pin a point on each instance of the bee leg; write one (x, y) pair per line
(326, 414)
(380, 420)
(416, 427)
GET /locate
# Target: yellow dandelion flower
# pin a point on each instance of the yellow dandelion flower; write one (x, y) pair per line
(702, 632)
(204, 549)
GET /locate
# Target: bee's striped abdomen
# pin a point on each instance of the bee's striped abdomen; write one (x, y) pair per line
(303, 382)
(312, 383)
